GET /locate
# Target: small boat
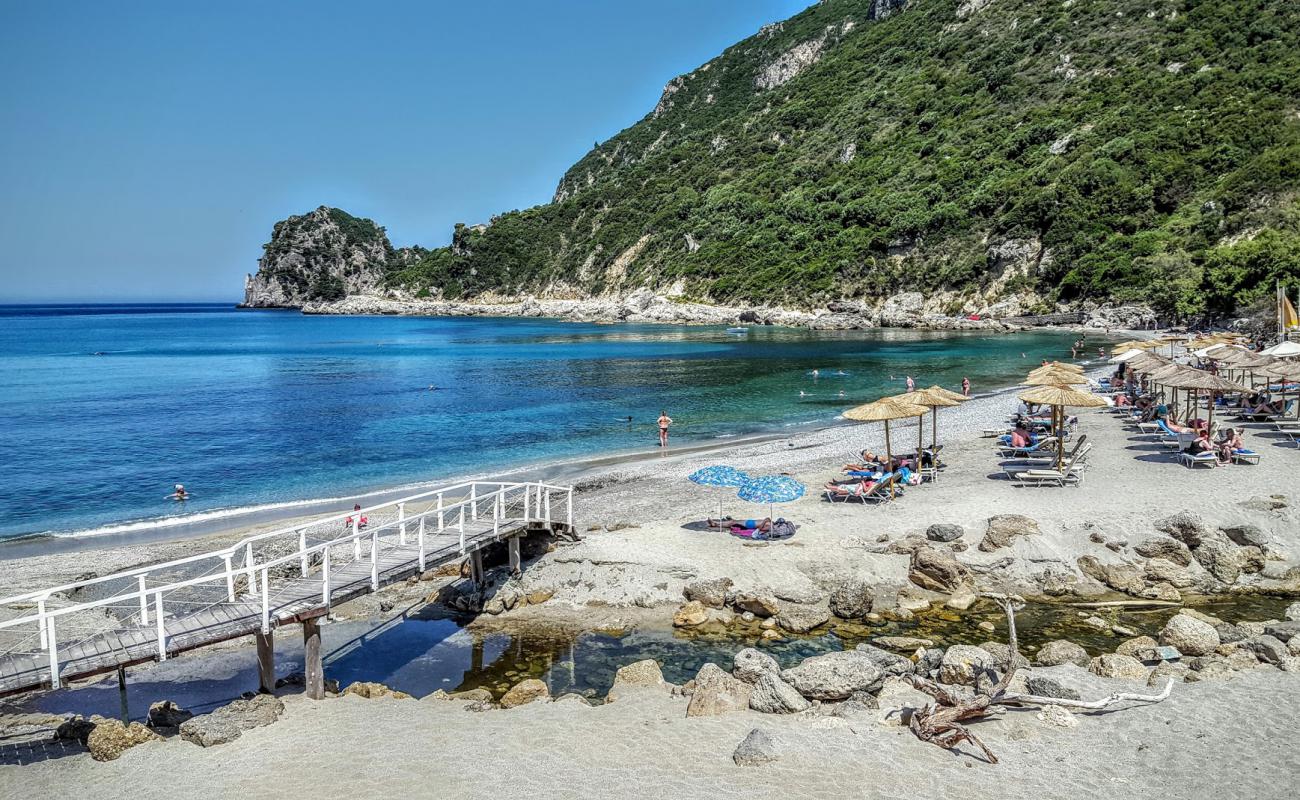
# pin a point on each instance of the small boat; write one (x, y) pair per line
(737, 330)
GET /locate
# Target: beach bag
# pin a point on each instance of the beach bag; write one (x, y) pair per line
(782, 529)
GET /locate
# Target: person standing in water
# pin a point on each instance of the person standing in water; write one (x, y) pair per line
(911, 384)
(664, 422)
(965, 386)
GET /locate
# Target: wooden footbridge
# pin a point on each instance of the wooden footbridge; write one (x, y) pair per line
(287, 576)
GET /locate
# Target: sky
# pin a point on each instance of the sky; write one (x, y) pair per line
(147, 148)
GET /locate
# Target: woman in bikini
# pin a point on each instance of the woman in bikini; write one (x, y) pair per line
(664, 422)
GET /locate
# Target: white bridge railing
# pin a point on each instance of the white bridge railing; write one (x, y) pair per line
(433, 522)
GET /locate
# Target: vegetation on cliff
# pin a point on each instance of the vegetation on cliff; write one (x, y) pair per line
(1120, 150)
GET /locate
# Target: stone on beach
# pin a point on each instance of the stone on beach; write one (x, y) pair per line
(166, 714)
(1113, 665)
(834, 676)
(1268, 649)
(1059, 652)
(1140, 647)
(711, 592)
(749, 665)
(889, 663)
(771, 695)
(524, 692)
(852, 600)
(639, 675)
(944, 532)
(1167, 549)
(227, 723)
(964, 664)
(799, 618)
(374, 691)
(902, 644)
(110, 738)
(760, 604)
(717, 692)
(691, 614)
(1004, 528)
(1192, 637)
(936, 570)
(757, 748)
(1058, 716)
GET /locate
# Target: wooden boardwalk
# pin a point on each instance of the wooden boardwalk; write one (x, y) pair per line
(289, 599)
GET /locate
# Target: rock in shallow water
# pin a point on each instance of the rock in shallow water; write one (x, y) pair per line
(1192, 637)
(749, 665)
(644, 674)
(852, 600)
(690, 614)
(524, 692)
(799, 618)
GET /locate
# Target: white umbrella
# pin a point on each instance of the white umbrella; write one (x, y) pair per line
(1283, 350)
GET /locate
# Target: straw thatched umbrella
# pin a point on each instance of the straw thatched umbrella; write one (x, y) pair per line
(884, 410)
(933, 401)
(1198, 380)
(1054, 377)
(1059, 397)
(951, 395)
(1164, 375)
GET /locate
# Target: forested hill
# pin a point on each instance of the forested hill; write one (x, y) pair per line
(1047, 151)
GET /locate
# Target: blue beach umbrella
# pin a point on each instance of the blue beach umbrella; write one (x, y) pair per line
(719, 475)
(771, 489)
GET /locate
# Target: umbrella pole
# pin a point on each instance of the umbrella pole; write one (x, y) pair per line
(1060, 443)
(920, 432)
(934, 428)
(889, 461)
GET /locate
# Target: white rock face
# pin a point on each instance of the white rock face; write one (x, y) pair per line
(790, 63)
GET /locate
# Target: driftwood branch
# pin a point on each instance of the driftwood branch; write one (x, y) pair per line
(940, 722)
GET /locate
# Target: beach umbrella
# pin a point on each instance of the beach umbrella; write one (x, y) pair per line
(884, 410)
(1054, 377)
(934, 401)
(1059, 398)
(1126, 356)
(939, 391)
(1282, 350)
(719, 475)
(1198, 380)
(771, 489)
(1289, 372)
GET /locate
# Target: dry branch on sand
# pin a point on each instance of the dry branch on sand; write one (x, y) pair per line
(940, 722)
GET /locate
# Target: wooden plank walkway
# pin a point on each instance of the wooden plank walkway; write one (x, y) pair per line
(291, 600)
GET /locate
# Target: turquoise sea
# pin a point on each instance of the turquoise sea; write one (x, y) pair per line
(104, 408)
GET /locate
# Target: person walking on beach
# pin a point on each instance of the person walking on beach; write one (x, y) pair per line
(965, 386)
(664, 422)
(911, 384)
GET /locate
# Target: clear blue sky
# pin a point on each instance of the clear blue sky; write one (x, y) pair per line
(146, 148)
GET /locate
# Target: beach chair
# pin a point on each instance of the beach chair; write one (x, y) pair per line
(1070, 472)
(1199, 460)
(1043, 445)
(1016, 466)
(1245, 455)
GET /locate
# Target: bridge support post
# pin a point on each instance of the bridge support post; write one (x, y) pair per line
(476, 568)
(512, 545)
(313, 668)
(265, 662)
(125, 709)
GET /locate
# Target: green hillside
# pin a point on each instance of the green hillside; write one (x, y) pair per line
(1127, 149)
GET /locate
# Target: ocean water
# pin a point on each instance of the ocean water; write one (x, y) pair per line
(104, 408)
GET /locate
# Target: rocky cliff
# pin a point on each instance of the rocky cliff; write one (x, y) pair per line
(993, 157)
(324, 255)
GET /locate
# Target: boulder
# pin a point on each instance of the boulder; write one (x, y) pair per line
(1166, 671)
(1161, 591)
(1162, 570)
(800, 618)
(1268, 649)
(1289, 664)
(166, 714)
(1192, 637)
(1168, 549)
(1061, 651)
(749, 665)
(963, 597)
(834, 676)
(644, 674)
(909, 602)
(804, 594)
(1219, 558)
(1292, 612)
(1048, 686)
(944, 532)
(1253, 561)
(888, 663)
(1004, 528)
(852, 600)
(524, 692)
(690, 614)
(1228, 634)
(228, 722)
(374, 691)
(1001, 653)
(716, 692)
(760, 604)
(75, 729)
(936, 570)
(1246, 535)
(1139, 647)
(1286, 631)
(1113, 665)
(898, 700)
(1215, 670)
(902, 644)
(1184, 526)
(757, 748)
(772, 695)
(1125, 578)
(1242, 657)
(711, 592)
(110, 738)
(964, 664)
(1059, 716)
(928, 660)
(479, 695)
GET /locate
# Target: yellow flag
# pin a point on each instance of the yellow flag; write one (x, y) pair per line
(1290, 319)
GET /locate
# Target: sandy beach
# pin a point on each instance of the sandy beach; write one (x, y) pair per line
(640, 551)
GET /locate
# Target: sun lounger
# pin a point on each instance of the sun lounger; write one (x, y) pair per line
(1043, 445)
(1245, 456)
(878, 493)
(1050, 477)
(1018, 465)
(1200, 459)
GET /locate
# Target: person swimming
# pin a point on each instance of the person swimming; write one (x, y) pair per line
(815, 373)
(180, 494)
